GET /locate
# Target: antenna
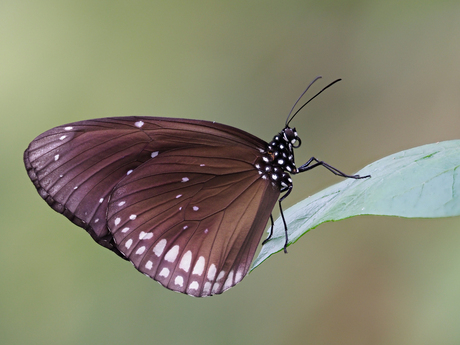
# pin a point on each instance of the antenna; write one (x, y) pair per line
(324, 88)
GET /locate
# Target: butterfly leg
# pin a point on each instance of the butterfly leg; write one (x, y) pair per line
(289, 189)
(271, 230)
(308, 166)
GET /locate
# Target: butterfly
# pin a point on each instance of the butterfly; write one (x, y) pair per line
(186, 201)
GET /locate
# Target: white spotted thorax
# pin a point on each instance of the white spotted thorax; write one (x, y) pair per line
(278, 159)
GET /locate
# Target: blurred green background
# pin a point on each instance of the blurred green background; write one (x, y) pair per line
(366, 280)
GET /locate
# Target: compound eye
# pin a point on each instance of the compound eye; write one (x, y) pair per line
(289, 135)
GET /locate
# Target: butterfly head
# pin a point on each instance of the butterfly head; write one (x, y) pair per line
(285, 142)
(290, 136)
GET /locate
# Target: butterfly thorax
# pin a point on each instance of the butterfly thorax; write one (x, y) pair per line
(278, 159)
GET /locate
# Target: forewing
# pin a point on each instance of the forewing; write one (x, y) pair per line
(192, 218)
(75, 167)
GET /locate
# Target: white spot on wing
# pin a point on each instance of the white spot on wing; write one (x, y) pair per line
(239, 274)
(171, 255)
(185, 179)
(101, 200)
(154, 154)
(202, 165)
(220, 276)
(212, 272)
(140, 250)
(128, 243)
(149, 265)
(63, 137)
(179, 281)
(129, 172)
(207, 288)
(186, 261)
(145, 235)
(132, 217)
(229, 282)
(215, 288)
(69, 128)
(164, 272)
(199, 266)
(206, 231)
(117, 221)
(139, 124)
(195, 208)
(121, 203)
(160, 247)
(194, 285)
(125, 230)
(178, 196)
(56, 157)
(185, 227)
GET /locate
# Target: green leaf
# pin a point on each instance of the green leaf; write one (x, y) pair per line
(422, 182)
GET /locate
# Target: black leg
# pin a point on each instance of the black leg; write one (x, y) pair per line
(271, 230)
(289, 189)
(307, 166)
(335, 171)
(282, 217)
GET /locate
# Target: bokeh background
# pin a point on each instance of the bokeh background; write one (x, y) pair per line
(366, 280)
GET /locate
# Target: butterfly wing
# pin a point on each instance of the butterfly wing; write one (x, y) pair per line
(192, 218)
(76, 166)
(84, 168)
